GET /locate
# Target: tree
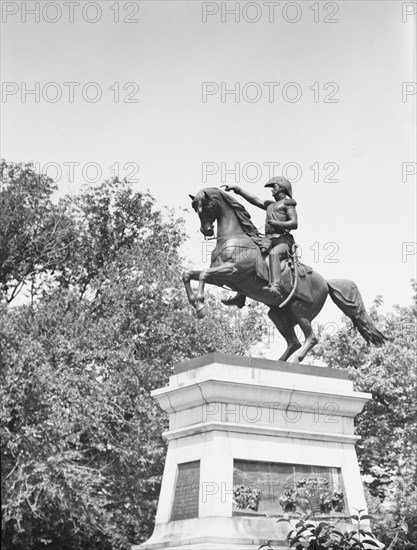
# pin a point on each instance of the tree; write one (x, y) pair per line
(109, 218)
(34, 232)
(68, 241)
(388, 424)
(82, 447)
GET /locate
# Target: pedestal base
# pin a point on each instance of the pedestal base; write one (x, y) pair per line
(247, 437)
(217, 533)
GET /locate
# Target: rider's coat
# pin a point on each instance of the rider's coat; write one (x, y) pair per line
(282, 212)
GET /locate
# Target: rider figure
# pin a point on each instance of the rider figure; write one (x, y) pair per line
(281, 218)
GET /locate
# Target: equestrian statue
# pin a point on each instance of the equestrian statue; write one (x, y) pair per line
(267, 269)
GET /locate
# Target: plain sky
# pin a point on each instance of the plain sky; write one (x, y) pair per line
(338, 114)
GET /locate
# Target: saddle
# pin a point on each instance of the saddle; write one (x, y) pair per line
(289, 267)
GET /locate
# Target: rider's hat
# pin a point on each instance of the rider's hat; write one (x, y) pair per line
(283, 182)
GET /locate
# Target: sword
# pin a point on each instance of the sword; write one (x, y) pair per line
(294, 288)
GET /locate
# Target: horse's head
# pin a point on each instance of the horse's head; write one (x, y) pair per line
(206, 208)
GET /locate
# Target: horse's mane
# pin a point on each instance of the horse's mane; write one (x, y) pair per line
(242, 214)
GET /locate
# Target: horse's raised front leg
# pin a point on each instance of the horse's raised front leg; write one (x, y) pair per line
(209, 276)
(186, 278)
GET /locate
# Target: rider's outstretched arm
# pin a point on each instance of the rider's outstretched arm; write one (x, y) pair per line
(248, 196)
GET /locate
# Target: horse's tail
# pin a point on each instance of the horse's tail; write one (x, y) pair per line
(345, 294)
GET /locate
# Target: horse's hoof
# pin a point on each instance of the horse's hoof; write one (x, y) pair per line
(292, 348)
(239, 301)
(201, 312)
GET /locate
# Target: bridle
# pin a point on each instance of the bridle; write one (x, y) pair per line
(205, 220)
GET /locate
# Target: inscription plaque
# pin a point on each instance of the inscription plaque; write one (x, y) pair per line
(274, 489)
(186, 491)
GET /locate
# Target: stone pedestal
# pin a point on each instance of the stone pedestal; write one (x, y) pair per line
(242, 433)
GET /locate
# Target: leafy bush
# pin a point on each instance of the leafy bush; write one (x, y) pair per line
(323, 535)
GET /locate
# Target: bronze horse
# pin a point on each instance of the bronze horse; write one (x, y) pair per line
(237, 262)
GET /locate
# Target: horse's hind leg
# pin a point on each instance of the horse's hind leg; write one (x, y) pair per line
(310, 339)
(286, 327)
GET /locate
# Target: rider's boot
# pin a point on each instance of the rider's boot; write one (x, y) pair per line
(238, 300)
(274, 288)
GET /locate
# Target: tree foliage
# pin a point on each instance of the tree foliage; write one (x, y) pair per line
(311, 534)
(34, 232)
(82, 450)
(388, 424)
